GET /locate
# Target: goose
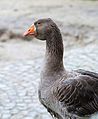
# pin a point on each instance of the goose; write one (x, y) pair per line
(65, 94)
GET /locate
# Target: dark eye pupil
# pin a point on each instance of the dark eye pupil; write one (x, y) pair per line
(39, 23)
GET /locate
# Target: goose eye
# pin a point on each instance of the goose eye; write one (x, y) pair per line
(39, 23)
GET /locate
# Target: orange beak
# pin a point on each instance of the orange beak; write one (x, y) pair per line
(30, 31)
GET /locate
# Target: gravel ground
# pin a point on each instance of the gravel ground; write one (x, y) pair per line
(21, 60)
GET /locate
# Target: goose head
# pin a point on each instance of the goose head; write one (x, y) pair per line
(41, 29)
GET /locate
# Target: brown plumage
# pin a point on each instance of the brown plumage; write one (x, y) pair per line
(65, 94)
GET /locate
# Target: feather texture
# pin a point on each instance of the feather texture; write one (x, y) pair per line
(79, 94)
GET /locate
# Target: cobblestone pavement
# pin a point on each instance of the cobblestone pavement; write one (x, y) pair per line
(18, 91)
(19, 83)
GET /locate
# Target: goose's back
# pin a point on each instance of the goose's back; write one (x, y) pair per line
(78, 93)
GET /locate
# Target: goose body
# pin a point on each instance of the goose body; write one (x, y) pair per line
(73, 96)
(65, 94)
